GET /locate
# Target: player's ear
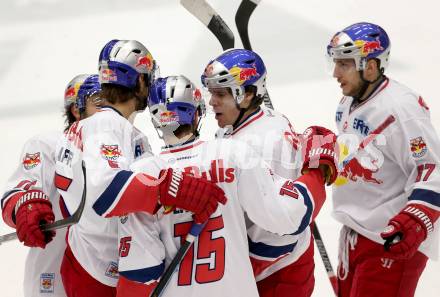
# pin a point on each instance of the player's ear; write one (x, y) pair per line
(371, 70)
(248, 97)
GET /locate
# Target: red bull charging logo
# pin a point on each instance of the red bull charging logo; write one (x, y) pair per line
(354, 171)
(72, 91)
(145, 61)
(107, 75)
(368, 47)
(243, 74)
(168, 117)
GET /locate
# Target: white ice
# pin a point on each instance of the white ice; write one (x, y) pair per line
(44, 43)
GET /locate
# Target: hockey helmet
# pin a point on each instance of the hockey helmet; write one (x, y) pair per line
(361, 42)
(236, 69)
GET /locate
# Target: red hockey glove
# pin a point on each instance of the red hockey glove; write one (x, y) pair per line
(318, 148)
(197, 195)
(32, 210)
(407, 230)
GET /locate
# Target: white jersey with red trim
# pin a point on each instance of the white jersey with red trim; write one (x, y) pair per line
(400, 166)
(271, 135)
(108, 144)
(36, 170)
(218, 263)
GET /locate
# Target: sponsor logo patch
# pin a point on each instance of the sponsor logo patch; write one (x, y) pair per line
(110, 152)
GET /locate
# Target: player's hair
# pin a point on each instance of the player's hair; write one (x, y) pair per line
(113, 93)
(257, 100)
(69, 118)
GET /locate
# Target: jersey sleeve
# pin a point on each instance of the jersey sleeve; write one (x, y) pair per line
(110, 178)
(276, 204)
(29, 174)
(141, 254)
(420, 158)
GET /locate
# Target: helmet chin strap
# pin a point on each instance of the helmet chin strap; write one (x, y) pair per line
(365, 85)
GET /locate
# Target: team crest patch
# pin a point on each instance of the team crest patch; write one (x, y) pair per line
(112, 270)
(31, 160)
(110, 152)
(418, 147)
(47, 282)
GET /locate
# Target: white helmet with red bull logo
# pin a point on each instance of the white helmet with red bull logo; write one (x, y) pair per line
(236, 69)
(361, 42)
(121, 62)
(174, 101)
(72, 88)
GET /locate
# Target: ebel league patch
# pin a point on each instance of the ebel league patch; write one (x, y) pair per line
(112, 270)
(31, 160)
(47, 282)
(418, 147)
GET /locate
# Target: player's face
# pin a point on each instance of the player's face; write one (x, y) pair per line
(223, 104)
(347, 75)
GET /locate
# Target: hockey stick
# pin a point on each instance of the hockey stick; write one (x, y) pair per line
(73, 219)
(207, 15)
(242, 17)
(194, 232)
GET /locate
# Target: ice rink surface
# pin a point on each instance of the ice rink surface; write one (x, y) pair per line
(44, 43)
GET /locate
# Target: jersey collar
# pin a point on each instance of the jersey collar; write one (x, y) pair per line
(379, 88)
(181, 147)
(108, 107)
(249, 120)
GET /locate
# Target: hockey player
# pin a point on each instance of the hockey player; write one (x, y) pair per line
(31, 199)
(108, 143)
(387, 197)
(218, 263)
(237, 82)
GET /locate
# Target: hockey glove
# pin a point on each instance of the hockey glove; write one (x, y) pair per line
(32, 210)
(318, 148)
(407, 230)
(197, 195)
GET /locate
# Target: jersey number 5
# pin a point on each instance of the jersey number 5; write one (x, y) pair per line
(207, 248)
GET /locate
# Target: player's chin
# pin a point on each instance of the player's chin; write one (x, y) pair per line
(219, 119)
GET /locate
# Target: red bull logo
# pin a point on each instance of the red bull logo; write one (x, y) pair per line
(145, 61)
(418, 147)
(72, 91)
(197, 95)
(31, 161)
(110, 152)
(335, 41)
(368, 47)
(208, 70)
(354, 171)
(107, 75)
(422, 103)
(168, 117)
(243, 74)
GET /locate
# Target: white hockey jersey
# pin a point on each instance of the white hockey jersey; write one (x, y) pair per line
(401, 166)
(36, 170)
(271, 135)
(218, 264)
(108, 144)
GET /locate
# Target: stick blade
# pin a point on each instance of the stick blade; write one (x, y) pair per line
(207, 15)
